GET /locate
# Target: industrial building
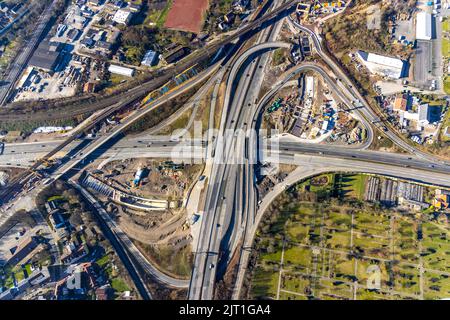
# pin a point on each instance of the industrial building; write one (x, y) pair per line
(424, 26)
(123, 71)
(382, 65)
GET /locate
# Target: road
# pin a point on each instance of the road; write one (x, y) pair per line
(161, 77)
(309, 166)
(230, 210)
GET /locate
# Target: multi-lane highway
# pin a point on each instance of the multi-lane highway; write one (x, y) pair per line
(162, 76)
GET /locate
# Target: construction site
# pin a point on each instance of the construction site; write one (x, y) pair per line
(147, 198)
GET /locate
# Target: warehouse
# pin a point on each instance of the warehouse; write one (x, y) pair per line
(424, 26)
(385, 66)
(128, 72)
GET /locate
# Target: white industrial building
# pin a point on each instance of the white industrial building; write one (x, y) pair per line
(385, 66)
(122, 16)
(422, 116)
(424, 26)
(123, 71)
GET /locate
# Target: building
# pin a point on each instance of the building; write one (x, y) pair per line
(57, 220)
(104, 293)
(401, 102)
(88, 42)
(424, 26)
(89, 87)
(382, 65)
(150, 58)
(23, 250)
(239, 6)
(123, 71)
(94, 2)
(103, 45)
(117, 4)
(134, 7)
(138, 176)
(47, 56)
(422, 116)
(122, 16)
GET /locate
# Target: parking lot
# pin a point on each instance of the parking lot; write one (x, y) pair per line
(423, 63)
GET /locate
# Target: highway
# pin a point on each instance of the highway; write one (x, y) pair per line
(84, 151)
(140, 147)
(304, 67)
(313, 165)
(120, 101)
(225, 206)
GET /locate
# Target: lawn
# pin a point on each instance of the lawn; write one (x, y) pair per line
(158, 17)
(445, 47)
(117, 79)
(265, 283)
(298, 256)
(352, 185)
(446, 121)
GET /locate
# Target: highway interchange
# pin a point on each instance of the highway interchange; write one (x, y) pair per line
(232, 208)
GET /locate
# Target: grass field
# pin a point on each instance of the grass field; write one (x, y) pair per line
(332, 248)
